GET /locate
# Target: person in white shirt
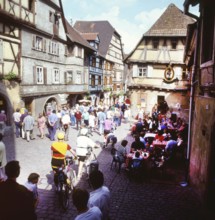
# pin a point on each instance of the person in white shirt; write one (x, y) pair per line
(80, 199)
(59, 116)
(92, 121)
(31, 185)
(127, 115)
(16, 119)
(83, 143)
(100, 197)
(110, 113)
(66, 121)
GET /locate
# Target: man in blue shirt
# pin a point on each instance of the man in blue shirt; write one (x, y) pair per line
(52, 125)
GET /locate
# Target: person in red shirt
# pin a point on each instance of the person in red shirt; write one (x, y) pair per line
(78, 117)
(59, 149)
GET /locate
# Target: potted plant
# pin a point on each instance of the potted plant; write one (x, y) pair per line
(11, 76)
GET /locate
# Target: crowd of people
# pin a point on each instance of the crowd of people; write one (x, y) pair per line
(19, 201)
(98, 119)
(87, 119)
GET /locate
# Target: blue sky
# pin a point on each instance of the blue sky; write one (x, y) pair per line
(130, 18)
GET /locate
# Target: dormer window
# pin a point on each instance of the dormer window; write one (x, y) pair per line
(155, 44)
(174, 44)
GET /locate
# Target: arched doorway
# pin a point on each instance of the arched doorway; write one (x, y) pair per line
(50, 105)
(79, 97)
(6, 106)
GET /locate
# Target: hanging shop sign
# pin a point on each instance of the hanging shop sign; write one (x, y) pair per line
(169, 75)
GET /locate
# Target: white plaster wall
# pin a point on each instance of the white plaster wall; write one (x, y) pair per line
(27, 70)
(42, 19)
(28, 51)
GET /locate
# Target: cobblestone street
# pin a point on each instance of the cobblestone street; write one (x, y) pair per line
(149, 199)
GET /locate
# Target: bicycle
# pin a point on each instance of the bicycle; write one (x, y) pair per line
(66, 178)
(91, 162)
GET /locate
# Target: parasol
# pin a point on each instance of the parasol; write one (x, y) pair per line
(84, 100)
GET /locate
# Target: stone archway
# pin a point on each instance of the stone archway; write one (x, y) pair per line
(79, 97)
(50, 105)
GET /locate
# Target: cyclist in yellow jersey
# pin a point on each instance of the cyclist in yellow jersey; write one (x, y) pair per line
(59, 149)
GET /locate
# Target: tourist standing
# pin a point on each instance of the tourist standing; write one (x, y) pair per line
(78, 117)
(80, 199)
(92, 122)
(85, 117)
(41, 124)
(16, 119)
(66, 125)
(28, 124)
(23, 115)
(16, 201)
(52, 125)
(72, 117)
(100, 196)
(101, 120)
(3, 117)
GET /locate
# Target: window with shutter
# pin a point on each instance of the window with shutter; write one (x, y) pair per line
(56, 76)
(44, 45)
(53, 48)
(99, 80)
(34, 75)
(135, 71)
(38, 43)
(78, 77)
(33, 41)
(105, 80)
(93, 79)
(142, 71)
(39, 75)
(70, 77)
(51, 17)
(45, 75)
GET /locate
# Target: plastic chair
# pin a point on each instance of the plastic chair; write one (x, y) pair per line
(116, 162)
(136, 169)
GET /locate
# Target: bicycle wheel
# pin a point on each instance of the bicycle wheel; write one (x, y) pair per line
(64, 197)
(72, 178)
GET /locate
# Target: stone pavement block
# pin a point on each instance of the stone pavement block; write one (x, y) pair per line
(153, 199)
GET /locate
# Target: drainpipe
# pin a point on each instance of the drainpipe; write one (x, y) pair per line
(193, 82)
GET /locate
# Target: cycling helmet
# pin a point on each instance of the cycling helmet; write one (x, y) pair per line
(60, 136)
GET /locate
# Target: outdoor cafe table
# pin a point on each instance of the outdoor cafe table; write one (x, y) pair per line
(143, 154)
(161, 144)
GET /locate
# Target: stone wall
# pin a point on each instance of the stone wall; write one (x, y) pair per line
(201, 147)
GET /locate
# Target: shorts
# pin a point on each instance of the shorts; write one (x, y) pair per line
(82, 158)
(57, 163)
